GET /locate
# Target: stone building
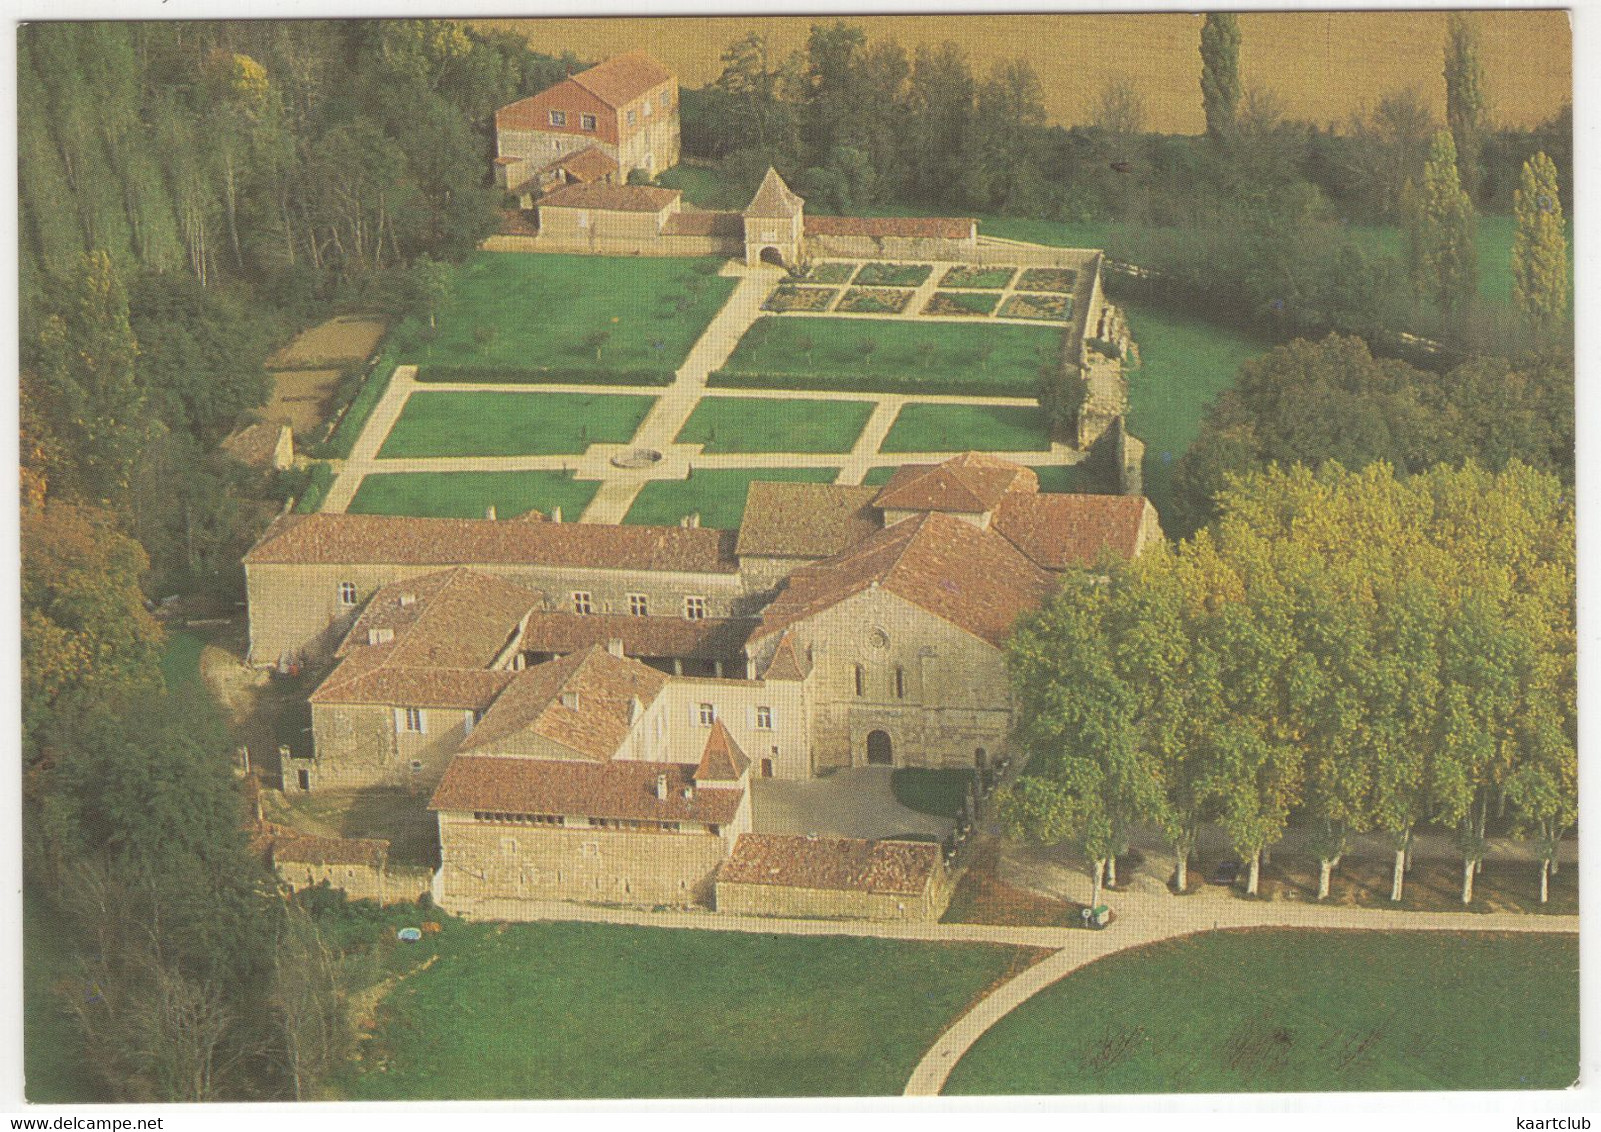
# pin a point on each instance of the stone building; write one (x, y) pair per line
(596, 126)
(834, 878)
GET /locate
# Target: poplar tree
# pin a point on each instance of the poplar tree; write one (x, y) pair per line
(1448, 268)
(1539, 247)
(1220, 71)
(1464, 98)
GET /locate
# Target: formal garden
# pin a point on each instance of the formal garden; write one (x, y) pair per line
(468, 495)
(769, 424)
(438, 423)
(717, 495)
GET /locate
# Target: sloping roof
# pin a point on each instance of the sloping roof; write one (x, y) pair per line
(611, 198)
(890, 868)
(805, 520)
(970, 577)
(471, 689)
(583, 702)
(912, 227)
(588, 164)
(1062, 530)
(256, 445)
(305, 849)
(722, 760)
(456, 618)
(623, 78)
(787, 663)
(710, 638)
(533, 112)
(972, 482)
(773, 199)
(344, 539)
(553, 786)
(698, 222)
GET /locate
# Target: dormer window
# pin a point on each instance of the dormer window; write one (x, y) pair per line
(380, 636)
(639, 605)
(695, 609)
(586, 122)
(582, 602)
(558, 117)
(569, 700)
(347, 593)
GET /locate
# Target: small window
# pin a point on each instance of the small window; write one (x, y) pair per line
(582, 603)
(416, 766)
(633, 116)
(558, 117)
(414, 719)
(900, 682)
(695, 608)
(639, 605)
(647, 108)
(478, 716)
(707, 715)
(861, 681)
(764, 717)
(347, 593)
(586, 121)
(303, 777)
(667, 99)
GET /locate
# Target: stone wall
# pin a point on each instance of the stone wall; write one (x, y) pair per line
(360, 745)
(832, 904)
(891, 247)
(386, 884)
(663, 245)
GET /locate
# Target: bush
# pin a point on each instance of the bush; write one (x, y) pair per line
(318, 483)
(542, 375)
(875, 383)
(365, 399)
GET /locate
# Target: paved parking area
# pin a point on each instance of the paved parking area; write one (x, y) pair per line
(851, 802)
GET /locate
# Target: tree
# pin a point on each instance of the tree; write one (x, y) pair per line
(1465, 110)
(941, 138)
(1012, 105)
(308, 997)
(1220, 71)
(1448, 266)
(1540, 248)
(1120, 111)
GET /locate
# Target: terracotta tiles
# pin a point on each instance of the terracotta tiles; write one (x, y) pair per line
(895, 868)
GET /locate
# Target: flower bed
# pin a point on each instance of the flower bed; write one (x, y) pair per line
(832, 271)
(874, 300)
(1052, 308)
(984, 277)
(973, 304)
(893, 274)
(1048, 279)
(788, 298)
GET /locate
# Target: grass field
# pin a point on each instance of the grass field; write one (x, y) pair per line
(1289, 1011)
(767, 424)
(827, 353)
(1494, 247)
(510, 311)
(1083, 477)
(923, 427)
(465, 495)
(512, 424)
(717, 494)
(180, 660)
(52, 1050)
(596, 1011)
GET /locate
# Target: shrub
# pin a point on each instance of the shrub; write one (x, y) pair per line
(320, 480)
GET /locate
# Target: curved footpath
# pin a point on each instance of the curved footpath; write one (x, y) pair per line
(1148, 918)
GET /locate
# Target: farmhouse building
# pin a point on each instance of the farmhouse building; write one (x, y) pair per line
(593, 127)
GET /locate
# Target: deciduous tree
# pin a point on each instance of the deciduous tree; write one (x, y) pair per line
(1540, 248)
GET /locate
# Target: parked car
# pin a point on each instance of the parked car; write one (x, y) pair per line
(1225, 872)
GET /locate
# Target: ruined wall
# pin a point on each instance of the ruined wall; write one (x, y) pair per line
(386, 884)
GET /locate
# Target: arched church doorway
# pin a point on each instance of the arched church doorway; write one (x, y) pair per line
(879, 750)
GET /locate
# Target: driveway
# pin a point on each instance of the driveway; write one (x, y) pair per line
(851, 802)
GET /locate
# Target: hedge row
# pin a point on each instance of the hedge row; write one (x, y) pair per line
(368, 394)
(322, 478)
(908, 383)
(544, 375)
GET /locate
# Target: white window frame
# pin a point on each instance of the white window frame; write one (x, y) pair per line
(347, 593)
(639, 605)
(694, 608)
(583, 602)
(705, 714)
(588, 123)
(764, 717)
(414, 720)
(558, 117)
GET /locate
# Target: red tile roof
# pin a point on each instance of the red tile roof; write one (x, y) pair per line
(343, 539)
(471, 689)
(552, 786)
(722, 760)
(914, 227)
(588, 164)
(623, 78)
(970, 577)
(890, 868)
(710, 638)
(773, 199)
(804, 520)
(787, 663)
(456, 618)
(308, 850)
(611, 198)
(972, 482)
(584, 702)
(1062, 530)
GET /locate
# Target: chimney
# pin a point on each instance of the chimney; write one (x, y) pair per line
(691, 520)
(635, 709)
(615, 646)
(489, 512)
(555, 514)
(409, 599)
(569, 700)
(661, 788)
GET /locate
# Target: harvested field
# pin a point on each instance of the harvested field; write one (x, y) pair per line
(339, 341)
(303, 398)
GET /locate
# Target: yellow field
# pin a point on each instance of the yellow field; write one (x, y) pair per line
(1321, 66)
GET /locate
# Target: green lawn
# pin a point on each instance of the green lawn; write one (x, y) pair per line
(1184, 363)
(703, 188)
(1083, 478)
(512, 424)
(938, 792)
(766, 424)
(1494, 247)
(877, 477)
(1286, 1011)
(180, 660)
(465, 495)
(923, 427)
(53, 1061)
(718, 494)
(511, 310)
(889, 354)
(596, 1011)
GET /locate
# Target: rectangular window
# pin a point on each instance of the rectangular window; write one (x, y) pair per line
(707, 715)
(303, 777)
(639, 605)
(695, 608)
(667, 99)
(586, 121)
(900, 682)
(633, 117)
(764, 717)
(582, 602)
(558, 117)
(347, 593)
(861, 681)
(647, 108)
(414, 719)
